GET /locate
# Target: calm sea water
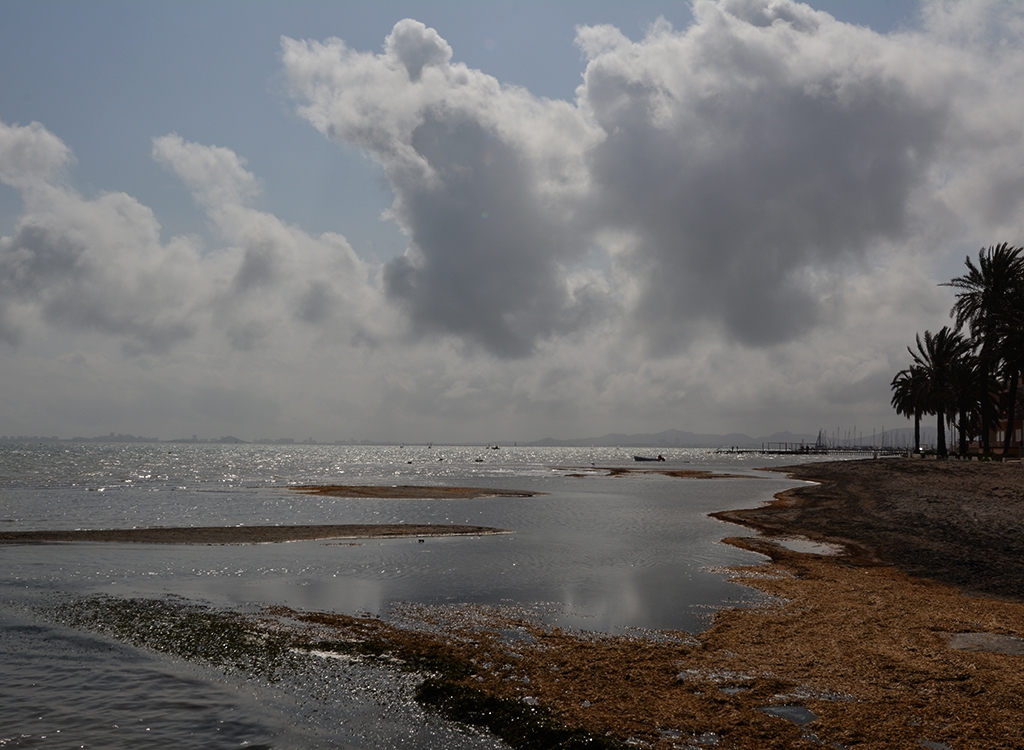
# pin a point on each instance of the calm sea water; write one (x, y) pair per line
(607, 553)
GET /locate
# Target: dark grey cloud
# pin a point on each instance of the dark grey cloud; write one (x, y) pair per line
(481, 191)
(738, 163)
(484, 256)
(57, 273)
(730, 163)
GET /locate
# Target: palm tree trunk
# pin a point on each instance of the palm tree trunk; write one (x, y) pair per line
(1011, 415)
(963, 427)
(917, 430)
(940, 446)
(986, 408)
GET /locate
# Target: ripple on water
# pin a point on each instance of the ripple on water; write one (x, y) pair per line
(65, 688)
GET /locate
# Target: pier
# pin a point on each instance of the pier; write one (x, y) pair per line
(814, 449)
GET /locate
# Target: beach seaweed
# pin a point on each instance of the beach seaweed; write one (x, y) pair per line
(185, 629)
(517, 723)
(269, 648)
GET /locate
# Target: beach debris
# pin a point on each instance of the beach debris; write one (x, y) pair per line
(797, 714)
(991, 642)
(715, 677)
(807, 546)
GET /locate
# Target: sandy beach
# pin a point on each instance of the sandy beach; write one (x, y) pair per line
(956, 522)
(888, 644)
(911, 635)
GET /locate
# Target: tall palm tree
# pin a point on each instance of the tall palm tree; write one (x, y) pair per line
(938, 357)
(965, 387)
(1011, 354)
(909, 398)
(986, 292)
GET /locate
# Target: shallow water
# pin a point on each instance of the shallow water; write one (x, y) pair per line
(599, 552)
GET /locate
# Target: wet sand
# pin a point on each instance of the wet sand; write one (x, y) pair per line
(957, 522)
(271, 534)
(887, 644)
(408, 491)
(618, 471)
(879, 647)
(244, 534)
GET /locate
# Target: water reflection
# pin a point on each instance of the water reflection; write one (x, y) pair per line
(614, 552)
(596, 552)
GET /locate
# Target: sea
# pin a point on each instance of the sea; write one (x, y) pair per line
(620, 553)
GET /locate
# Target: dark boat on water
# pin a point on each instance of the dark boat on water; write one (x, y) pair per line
(649, 458)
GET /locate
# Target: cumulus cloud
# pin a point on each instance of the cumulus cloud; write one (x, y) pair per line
(100, 265)
(747, 150)
(486, 181)
(270, 272)
(217, 176)
(728, 162)
(736, 225)
(31, 156)
(88, 264)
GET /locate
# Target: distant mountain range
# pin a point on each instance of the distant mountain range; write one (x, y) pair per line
(678, 439)
(681, 439)
(666, 439)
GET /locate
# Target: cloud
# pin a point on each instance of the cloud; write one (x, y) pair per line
(745, 151)
(728, 163)
(272, 275)
(31, 156)
(100, 265)
(736, 225)
(416, 46)
(88, 265)
(485, 178)
(216, 176)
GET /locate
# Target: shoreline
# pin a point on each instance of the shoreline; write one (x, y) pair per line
(868, 648)
(960, 523)
(849, 650)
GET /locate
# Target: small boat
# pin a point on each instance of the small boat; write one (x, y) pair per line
(649, 458)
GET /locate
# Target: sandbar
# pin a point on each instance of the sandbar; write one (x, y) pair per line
(910, 637)
(888, 644)
(621, 471)
(245, 534)
(408, 491)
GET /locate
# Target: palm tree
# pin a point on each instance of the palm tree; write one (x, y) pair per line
(908, 398)
(1011, 353)
(986, 294)
(965, 387)
(938, 357)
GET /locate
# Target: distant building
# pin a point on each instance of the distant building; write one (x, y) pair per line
(997, 430)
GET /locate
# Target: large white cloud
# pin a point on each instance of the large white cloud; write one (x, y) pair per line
(728, 161)
(88, 264)
(99, 264)
(487, 181)
(737, 225)
(271, 275)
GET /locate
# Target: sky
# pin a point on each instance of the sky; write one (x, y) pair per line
(490, 221)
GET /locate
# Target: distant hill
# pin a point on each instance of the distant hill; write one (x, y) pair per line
(681, 439)
(678, 439)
